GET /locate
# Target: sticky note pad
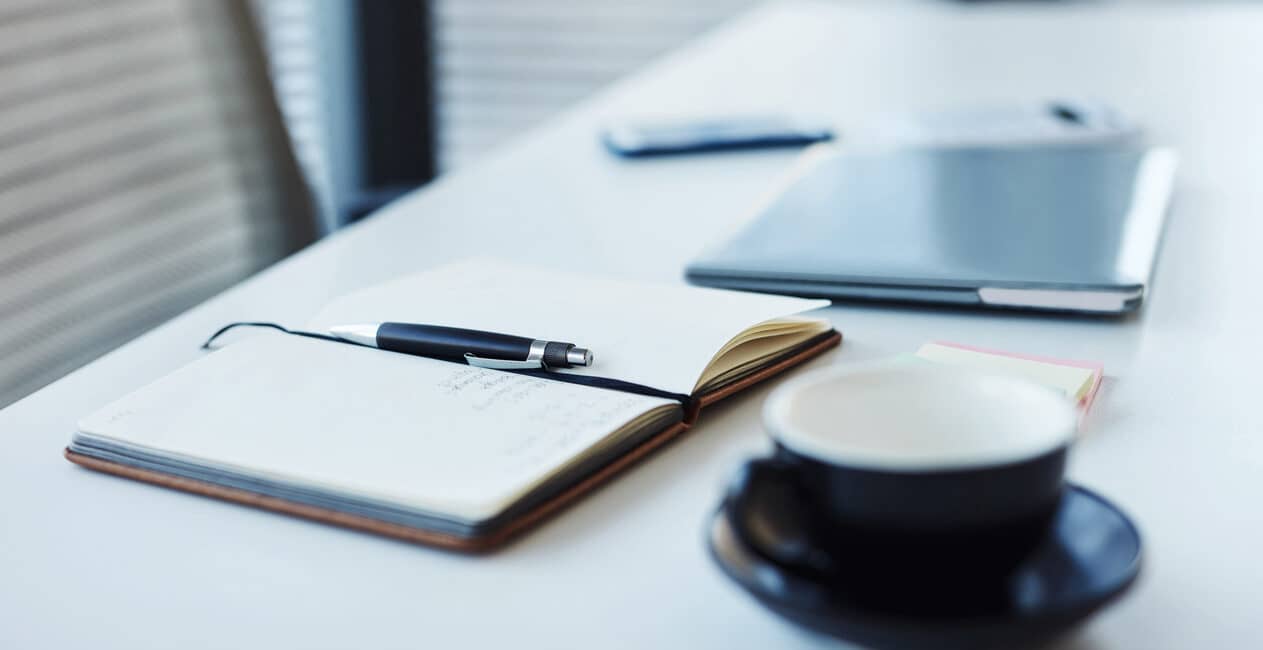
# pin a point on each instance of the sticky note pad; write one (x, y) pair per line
(1079, 380)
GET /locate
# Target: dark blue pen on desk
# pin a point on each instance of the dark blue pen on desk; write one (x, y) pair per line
(475, 347)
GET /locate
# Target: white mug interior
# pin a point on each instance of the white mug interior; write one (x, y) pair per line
(913, 417)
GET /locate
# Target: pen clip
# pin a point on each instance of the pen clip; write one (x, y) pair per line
(502, 364)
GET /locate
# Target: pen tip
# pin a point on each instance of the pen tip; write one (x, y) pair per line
(362, 334)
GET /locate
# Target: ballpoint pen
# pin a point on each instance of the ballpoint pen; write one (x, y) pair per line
(475, 347)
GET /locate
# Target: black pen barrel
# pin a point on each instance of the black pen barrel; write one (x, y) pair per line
(451, 342)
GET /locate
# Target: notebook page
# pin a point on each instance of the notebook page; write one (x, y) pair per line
(653, 334)
(439, 436)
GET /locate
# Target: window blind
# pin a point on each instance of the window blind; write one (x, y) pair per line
(299, 56)
(503, 66)
(142, 169)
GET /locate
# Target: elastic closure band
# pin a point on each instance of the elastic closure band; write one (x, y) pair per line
(311, 335)
(690, 408)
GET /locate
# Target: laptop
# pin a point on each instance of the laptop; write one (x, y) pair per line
(1062, 228)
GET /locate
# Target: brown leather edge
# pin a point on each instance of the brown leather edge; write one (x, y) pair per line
(807, 353)
(479, 544)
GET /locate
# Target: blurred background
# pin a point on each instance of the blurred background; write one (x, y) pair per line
(155, 152)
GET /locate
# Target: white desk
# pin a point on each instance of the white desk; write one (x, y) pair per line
(88, 560)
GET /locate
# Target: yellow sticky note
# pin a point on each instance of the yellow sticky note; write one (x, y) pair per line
(1077, 380)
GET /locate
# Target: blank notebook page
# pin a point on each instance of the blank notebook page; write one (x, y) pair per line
(434, 435)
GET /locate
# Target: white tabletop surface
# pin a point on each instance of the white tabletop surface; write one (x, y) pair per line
(89, 560)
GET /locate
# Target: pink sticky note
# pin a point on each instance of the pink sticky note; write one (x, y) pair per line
(1098, 369)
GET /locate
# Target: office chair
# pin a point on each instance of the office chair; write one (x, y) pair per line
(144, 167)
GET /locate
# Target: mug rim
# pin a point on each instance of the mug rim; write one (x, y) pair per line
(1059, 427)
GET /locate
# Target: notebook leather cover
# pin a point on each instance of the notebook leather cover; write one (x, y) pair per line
(497, 537)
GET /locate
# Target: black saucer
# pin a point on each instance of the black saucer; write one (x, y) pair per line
(1090, 556)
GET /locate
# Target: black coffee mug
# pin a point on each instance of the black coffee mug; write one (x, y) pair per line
(905, 471)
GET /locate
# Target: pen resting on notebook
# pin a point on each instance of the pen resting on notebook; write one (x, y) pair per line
(438, 452)
(478, 348)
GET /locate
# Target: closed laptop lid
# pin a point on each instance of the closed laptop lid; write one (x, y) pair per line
(1058, 218)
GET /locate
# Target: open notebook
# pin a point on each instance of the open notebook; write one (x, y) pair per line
(440, 452)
